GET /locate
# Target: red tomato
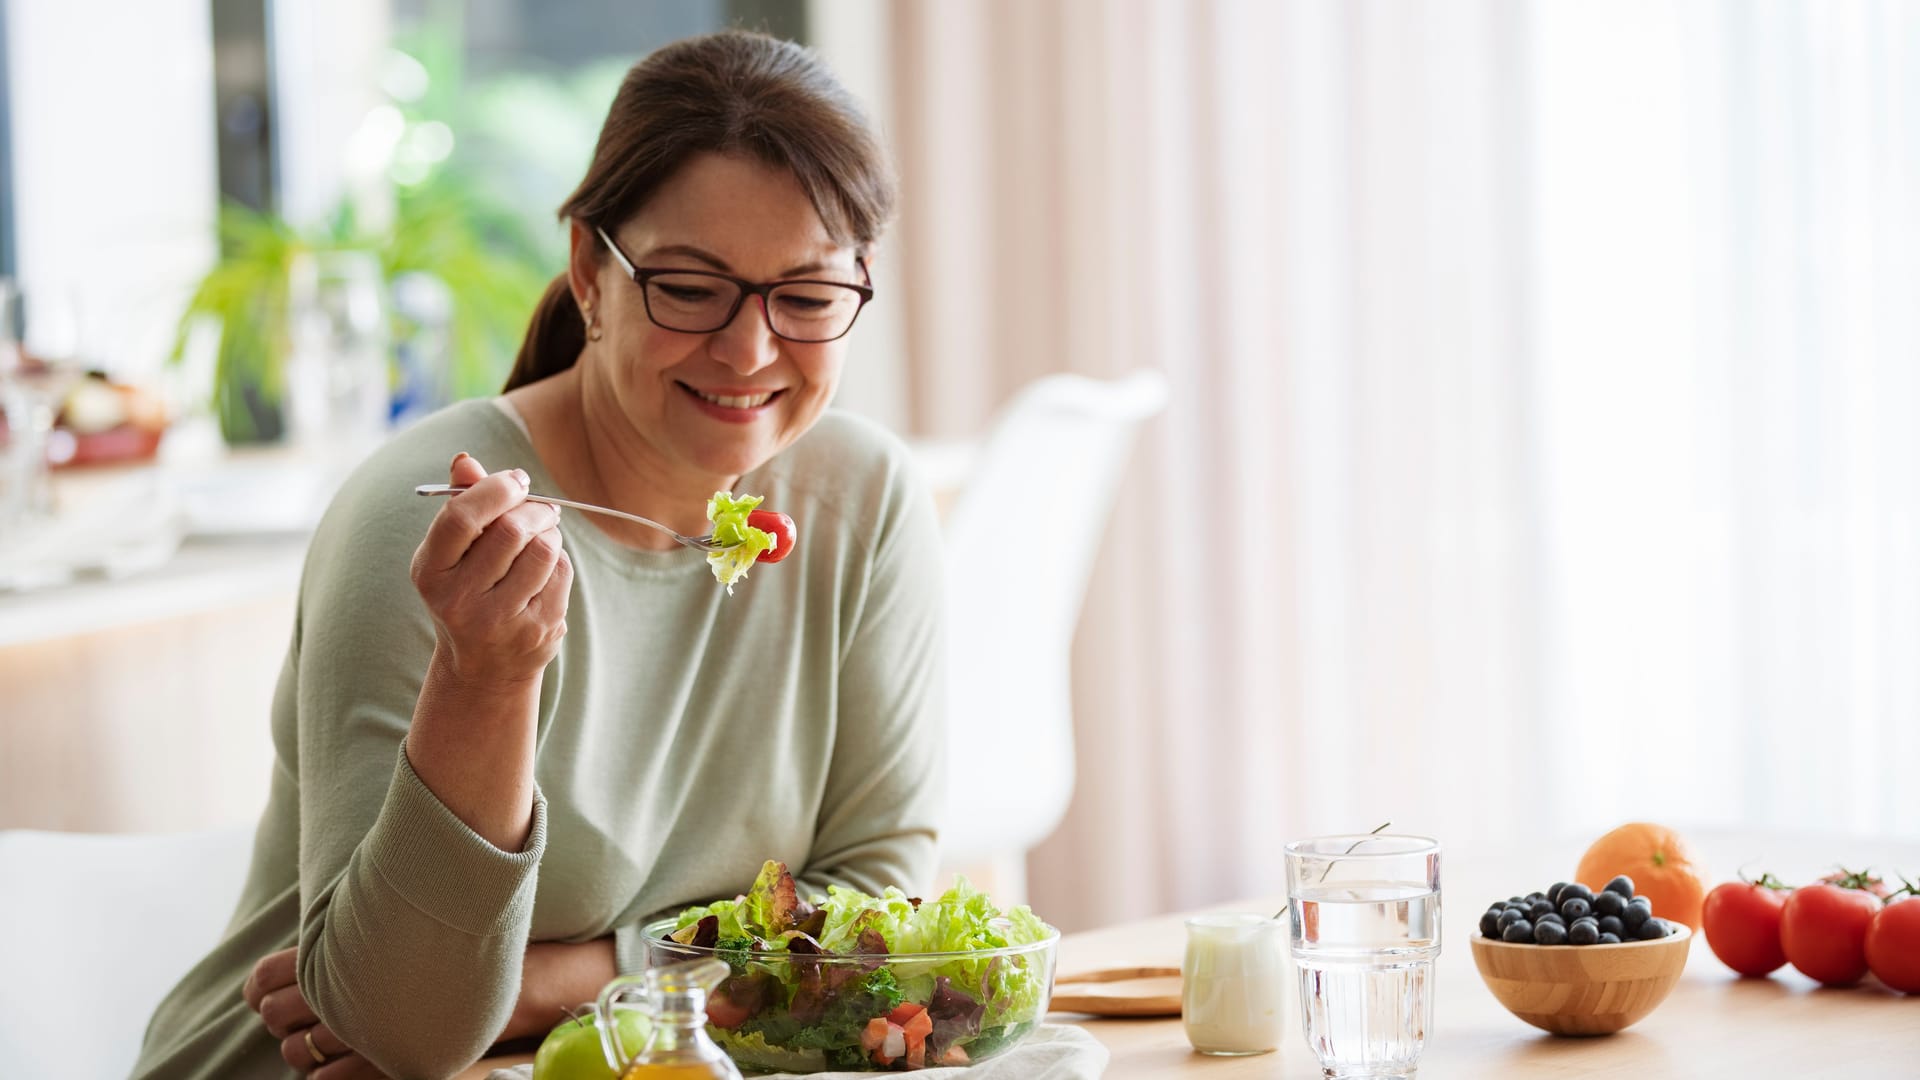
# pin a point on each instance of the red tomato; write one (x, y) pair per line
(1742, 924)
(1893, 945)
(723, 1013)
(1824, 932)
(781, 526)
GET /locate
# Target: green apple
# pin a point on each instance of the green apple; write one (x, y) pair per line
(571, 1051)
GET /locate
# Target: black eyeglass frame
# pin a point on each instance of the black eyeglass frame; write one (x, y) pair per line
(764, 290)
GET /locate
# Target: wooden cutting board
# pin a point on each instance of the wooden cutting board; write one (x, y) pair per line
(1139, 991)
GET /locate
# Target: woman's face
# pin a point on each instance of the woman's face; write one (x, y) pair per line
(740, 217)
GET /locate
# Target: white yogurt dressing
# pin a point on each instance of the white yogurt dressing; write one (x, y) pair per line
(1234, 983)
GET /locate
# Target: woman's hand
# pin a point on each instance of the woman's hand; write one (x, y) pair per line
(553, 976)
(306, 1044)
(495, 580)
(494, 577)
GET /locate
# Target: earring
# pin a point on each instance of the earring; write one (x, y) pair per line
(593, 329)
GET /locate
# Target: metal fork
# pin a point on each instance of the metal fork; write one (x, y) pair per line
(698, 543)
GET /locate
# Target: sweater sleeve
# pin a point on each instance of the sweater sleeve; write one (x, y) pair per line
(412, 927)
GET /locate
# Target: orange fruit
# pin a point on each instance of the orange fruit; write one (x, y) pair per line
(1660, 864)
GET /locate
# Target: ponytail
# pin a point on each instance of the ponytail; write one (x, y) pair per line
(555, 336)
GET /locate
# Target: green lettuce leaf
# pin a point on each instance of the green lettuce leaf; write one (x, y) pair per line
(744, 542)
(751, 1049)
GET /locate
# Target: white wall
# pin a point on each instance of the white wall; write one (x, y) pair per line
(851, 36)
(114, 164)
(327, 59)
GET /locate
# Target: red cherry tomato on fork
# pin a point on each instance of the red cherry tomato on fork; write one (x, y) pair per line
(781, 526)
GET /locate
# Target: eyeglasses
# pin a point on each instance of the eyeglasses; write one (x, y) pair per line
(703, 301)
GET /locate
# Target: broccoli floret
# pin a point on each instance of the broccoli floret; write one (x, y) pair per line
(847, 1057)
(734, 951)
(885, 990)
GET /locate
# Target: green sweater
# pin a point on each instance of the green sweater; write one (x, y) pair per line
(685, 736)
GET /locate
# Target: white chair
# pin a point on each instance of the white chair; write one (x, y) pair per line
(1049, 467)
(94, 930)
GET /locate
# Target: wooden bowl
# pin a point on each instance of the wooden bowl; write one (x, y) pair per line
(1582, 989)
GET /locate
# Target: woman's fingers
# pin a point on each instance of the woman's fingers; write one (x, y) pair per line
(351, 1067)
(311, 1047)
(550, 603)
(465, 471)
(533, 566)
(285, 1011)
(338, 1061)
(465, 517)
(271, 972)
(492, 557)
(488, 556)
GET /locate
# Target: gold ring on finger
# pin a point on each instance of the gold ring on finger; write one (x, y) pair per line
(318, 1057)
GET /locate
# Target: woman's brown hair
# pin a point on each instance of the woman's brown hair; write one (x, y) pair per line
(730, 92)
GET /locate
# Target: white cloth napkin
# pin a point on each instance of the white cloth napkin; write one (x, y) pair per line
(1052, 1052)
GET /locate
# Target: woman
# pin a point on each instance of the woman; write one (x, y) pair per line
(486, 782)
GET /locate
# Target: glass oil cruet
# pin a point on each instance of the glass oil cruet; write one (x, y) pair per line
(674, 999)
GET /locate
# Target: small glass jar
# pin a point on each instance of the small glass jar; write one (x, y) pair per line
(1233, 984)
(675, 1003)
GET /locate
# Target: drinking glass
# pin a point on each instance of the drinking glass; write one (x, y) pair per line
(39, 346)
(337, 378)
(1364, 924)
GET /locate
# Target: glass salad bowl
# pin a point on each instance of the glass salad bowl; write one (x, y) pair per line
(862, 982)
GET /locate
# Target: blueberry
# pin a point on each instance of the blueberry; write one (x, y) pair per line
(1622, 885)
(1583, 933)
(1609, 903)
(1509, 917)
(1655, 929)
(1635, 917)
(1538, 908)
(1609, 939)
(1576, 889)
(1490, 924)
(1519, 900)
(1553, 894)
(1611, 924)
(1532, 896)
(1642, 902)
(1549, 933)
(1521, 932)
(1574, 908)
(1552, 917)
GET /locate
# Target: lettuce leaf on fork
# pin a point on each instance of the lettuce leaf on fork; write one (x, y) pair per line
(744, 542)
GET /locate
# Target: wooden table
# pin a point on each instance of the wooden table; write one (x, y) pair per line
(1714, 1023)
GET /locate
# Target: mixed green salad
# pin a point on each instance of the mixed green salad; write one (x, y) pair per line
(852, 981)
(745, 543)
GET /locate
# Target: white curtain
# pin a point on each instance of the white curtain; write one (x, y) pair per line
(1730, 346)
(1534, 461)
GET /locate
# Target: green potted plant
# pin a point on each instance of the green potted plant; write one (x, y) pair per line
(440, 227)
(445, 223)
